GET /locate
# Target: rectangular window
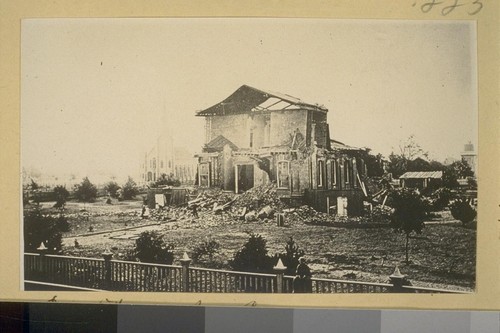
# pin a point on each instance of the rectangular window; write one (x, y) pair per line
(321, 173)
(283, 174)
(354, 172)
(334, 172)
(204, 174)
(347, 172)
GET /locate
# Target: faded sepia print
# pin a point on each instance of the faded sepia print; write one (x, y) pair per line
(249, 155)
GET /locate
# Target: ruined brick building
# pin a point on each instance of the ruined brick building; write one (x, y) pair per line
(255, 136)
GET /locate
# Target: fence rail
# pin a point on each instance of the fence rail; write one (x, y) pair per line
(117, 275)
(209, 280)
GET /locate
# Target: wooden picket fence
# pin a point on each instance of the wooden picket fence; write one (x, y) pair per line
(118, 275)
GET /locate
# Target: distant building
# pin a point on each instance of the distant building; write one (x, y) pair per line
(421, 179)
(469, 156)
(164, 158)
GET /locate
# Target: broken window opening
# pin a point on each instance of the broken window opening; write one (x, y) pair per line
(204, 174)
(321, 167)
(347, 172)
(283, 174)
(334, 172)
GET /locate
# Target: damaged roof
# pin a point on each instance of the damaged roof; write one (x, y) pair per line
(218, 143)
(247, 99)
(422, 175)
(337, 145)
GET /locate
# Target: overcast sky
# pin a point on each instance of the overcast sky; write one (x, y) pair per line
(97, 92)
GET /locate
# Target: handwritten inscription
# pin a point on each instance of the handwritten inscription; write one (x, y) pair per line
(446, 7)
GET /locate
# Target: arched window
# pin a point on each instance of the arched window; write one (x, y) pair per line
(333, 166)
(321, 173)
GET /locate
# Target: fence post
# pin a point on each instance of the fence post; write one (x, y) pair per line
(42, 250)
(398, 280)
(107, 255)
(185, 261)
(280, 273)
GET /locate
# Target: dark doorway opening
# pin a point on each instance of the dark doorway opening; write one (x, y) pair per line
(244, 176)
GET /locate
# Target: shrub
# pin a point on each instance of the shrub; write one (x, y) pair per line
(112, 189)
(61, 194)
(252, 257)
(40, 228)
(85, 191)
(151, 247)
(129, 190)
(462, 211)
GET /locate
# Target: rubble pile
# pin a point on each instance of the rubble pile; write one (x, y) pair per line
(258, 203)
(211, 197)
(307, 214)
(261, 203)
(259, 197)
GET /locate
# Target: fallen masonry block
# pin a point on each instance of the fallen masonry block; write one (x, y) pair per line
(251, 216)
(242, 213)
(267, 211)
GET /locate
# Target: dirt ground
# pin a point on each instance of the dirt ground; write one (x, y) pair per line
(443, 256)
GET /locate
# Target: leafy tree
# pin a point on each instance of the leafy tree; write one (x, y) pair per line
(462, 169)
(409, 213)
(252, 257)
(151, 247)
(168, 180)
(397, 165)
(418, 164)
(463, 211)
(61, 194)
(453, 172)
(40, 228)
(374, 163)
(85, 191)
(436, 166)
(129, 190)
(291, 256)
(112, 188)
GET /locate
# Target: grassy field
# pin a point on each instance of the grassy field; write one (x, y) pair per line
(443, 255)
